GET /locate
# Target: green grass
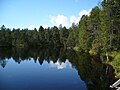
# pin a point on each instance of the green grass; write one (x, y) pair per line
(116, 62)
(76, 48)
(92, 52)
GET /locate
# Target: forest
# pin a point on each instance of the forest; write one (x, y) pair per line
(92, 47)
(97, 32)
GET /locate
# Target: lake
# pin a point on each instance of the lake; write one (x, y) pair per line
(52, 69)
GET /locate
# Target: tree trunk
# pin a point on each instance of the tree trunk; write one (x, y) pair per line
(107, 56)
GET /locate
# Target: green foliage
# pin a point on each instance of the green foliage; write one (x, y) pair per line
(33, 38)
(96, 32)
(116, 63)
(72, 39)
(100, 30)
(83, 36)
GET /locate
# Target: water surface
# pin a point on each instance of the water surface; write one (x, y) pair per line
(52, 69)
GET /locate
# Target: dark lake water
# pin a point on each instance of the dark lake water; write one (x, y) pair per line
(52, 69)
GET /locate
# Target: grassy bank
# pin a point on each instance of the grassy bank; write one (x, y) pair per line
(115, 62)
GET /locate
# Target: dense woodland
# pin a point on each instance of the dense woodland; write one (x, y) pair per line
(100, 32)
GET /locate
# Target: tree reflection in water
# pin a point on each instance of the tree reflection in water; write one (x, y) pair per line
(96, 75)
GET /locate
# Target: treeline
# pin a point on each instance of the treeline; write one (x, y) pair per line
(43, 37)
(37, 54)
(98, 32)
(32, 38)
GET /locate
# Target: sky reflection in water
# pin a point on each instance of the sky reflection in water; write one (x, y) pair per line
(48, 76)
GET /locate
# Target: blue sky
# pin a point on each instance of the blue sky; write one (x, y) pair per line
(33, 13)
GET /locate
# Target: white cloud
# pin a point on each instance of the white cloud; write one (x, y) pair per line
(31, 27)
(45, 26)
(83, 12)
(65, 21)
(73, 19)
(59, 19)
(60, 65)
